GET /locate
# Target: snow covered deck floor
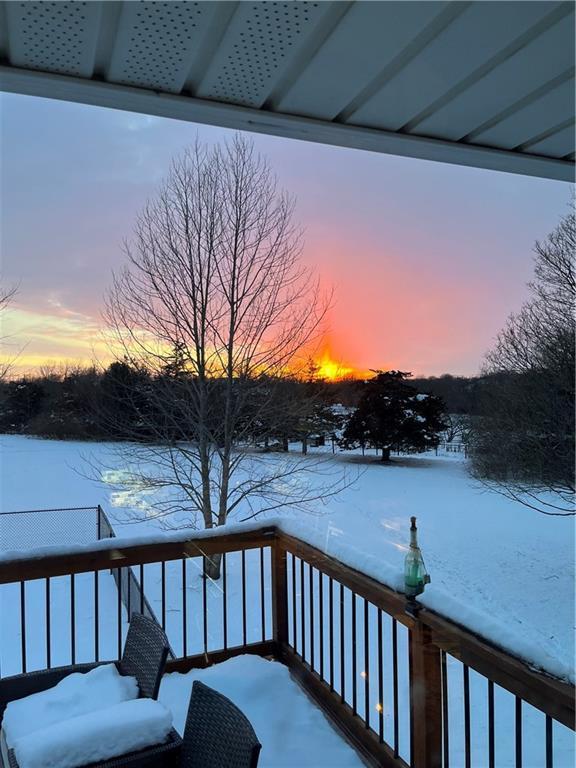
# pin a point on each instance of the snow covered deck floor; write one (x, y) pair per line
(293, 732)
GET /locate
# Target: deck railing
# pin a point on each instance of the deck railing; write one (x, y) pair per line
(404, 690)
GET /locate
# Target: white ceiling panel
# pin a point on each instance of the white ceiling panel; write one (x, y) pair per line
(472, 39)
(559, 144)
(385, 29)
(156, 43)
(547, 56)
(553, 108)
(56, 37)
(260, 42)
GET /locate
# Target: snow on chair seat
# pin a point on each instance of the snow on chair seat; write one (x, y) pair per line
(77, 694)
(91, 738)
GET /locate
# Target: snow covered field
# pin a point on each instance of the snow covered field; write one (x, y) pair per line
(497, 567)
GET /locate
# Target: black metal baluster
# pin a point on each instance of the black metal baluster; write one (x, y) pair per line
(445, 722)
(294, 632)
(549, 743)
(302, 617)
(128, 572)
(466, 716)
(354, 660)
(380, 681)
(331, 628)
(96, 615)
(321, 620)
(163, 579)
(48, 626)
(73, 618)
(243, 561)
(366, 666)
(184, 611)
(224, 601)
(491, 740)
(205, 603)
(119, 612)
(142, 588)
(311, 609)
(23, 623)
(262, 604)
(342, 669)
(518, 726)
(395, 682)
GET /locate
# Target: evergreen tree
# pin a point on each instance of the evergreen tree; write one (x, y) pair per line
(22, 401)
(122, 406)
(392, 414)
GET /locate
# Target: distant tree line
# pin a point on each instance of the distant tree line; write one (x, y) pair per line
(126, 403)
(460, 394)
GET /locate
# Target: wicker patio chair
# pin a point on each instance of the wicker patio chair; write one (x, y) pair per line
(217, 733)
(144, 657)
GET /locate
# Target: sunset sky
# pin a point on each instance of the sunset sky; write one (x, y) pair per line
(426, 260)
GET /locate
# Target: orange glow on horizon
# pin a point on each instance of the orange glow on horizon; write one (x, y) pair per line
(330, 368)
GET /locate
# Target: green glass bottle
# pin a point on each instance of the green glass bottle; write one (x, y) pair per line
(415, 574)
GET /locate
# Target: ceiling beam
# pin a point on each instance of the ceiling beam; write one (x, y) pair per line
(98, 93)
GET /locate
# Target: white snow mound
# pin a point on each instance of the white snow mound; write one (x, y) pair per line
(75, 695)
(96, 736)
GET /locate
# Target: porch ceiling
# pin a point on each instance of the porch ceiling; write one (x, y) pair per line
(485, 84)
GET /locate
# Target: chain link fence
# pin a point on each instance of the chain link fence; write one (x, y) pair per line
(30, 528)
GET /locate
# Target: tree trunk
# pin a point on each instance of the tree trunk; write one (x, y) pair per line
(212, 567)
(385, 455)
(305, 445)
(285, 446)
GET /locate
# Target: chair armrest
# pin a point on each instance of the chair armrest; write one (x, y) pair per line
(19, 686)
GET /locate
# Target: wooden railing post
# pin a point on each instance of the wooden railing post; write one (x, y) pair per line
(279, 597)
(425, 698)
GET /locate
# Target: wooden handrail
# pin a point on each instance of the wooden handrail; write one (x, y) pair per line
(117, 555)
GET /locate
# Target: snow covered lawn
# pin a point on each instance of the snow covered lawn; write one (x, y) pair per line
(292, 730)
(497, 567)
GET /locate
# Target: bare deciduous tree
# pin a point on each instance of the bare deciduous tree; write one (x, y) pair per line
(217, 307)
(457, 427)
(524, 440)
